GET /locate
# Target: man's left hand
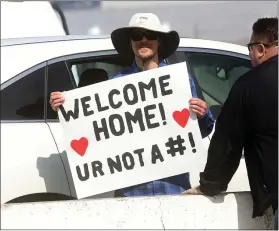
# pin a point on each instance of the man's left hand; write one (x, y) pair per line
(193, 191)
(198, 106)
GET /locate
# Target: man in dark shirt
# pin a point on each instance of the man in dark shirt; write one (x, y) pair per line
(249, 120)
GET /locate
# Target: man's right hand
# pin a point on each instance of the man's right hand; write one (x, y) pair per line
(56, 100)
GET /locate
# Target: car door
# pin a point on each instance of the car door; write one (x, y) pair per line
(215, 71)
(31, 169)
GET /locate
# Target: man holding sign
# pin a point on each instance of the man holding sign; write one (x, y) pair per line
(146, 40)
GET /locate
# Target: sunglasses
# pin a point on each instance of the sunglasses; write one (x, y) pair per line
(249, 45)
(138, 35)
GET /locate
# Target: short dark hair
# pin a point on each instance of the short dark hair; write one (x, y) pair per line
(265, 30)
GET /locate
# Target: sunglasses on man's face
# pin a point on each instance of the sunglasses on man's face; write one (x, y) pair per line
(249, 45)
(138, 35)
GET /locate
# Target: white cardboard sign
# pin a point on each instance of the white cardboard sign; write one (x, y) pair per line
(130, 130)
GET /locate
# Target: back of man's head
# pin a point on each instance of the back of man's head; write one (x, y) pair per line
(265, 30)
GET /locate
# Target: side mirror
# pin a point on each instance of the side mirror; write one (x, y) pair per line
(221, 73)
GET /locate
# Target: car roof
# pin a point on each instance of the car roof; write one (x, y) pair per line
(20, 54)
(46, 39)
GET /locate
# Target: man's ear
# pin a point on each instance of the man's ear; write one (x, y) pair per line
(261, 49)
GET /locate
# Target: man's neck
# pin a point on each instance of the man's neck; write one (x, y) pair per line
(147, 65)
(272, 52)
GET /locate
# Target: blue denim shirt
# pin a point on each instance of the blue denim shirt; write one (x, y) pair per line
(175, 184)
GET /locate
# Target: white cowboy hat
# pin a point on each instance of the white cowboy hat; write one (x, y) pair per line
(148, 21)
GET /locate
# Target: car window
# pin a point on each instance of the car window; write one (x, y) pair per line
(216, 74)
(24, 99)
(92, 70)
(59, 79)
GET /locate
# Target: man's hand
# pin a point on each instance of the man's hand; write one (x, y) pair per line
(56, 100)
(193, 191)
(198, 106)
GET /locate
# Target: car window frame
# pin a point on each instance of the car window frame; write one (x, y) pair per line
(182, 58)
(211, 51)
(20, 76)
(82, 55)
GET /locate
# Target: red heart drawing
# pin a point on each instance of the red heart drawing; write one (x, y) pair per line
(80, 146)
(181, 117)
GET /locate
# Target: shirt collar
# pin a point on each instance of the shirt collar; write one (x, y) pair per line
(136, 69)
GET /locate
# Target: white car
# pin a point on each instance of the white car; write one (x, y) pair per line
(34, 164)
(32, 19)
